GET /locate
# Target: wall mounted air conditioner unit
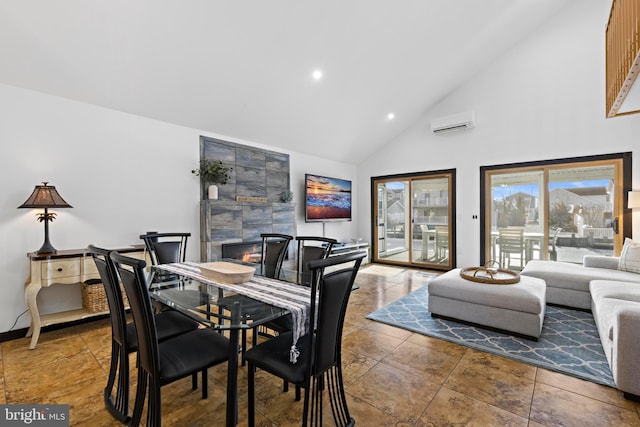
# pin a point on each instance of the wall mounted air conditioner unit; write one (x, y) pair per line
(454, 122)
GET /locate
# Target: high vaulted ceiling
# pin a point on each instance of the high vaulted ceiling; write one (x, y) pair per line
(244, 68)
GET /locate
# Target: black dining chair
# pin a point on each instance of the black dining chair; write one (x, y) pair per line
(319, 365)
(166, 248)
(123, 337)
(311, 248)
(163, 362)
(274, 251)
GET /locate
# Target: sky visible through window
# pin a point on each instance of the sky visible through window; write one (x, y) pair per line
(532, 189)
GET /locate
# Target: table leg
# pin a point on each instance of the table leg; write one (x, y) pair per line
(232, 369)
(30, 296)
(232, 379)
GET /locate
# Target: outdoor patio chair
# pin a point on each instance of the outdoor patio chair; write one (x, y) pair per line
(511, 243)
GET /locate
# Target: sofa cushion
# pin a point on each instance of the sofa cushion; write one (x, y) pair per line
(613, 289)
(630, 256)
(573, 276)
(608, 309)
(608, 296)
(601, 261)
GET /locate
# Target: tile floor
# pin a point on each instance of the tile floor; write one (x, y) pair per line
(393, 378)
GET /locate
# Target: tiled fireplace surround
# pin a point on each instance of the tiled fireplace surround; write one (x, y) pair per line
(257, 174)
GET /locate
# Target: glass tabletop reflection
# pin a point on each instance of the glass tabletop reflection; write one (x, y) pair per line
(209, 304)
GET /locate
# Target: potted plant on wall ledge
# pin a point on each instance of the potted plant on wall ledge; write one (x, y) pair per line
(213, 172)
(286, 196)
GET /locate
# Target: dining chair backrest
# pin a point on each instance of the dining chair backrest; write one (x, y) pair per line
(333, 290)
(311, 248)
(132, 275)
(166, 248)
(109, 277)
(274, 251)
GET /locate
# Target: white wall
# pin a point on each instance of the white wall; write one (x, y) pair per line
(301, 164)
(122, 174)
(542, 100)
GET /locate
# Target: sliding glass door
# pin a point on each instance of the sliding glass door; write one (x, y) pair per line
(413, 220)
(558, 210)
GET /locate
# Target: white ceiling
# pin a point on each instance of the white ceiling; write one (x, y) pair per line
(243, 68)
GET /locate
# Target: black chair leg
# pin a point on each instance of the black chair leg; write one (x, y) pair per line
(251, 378)
(118, 405)
(337, 398)
(154, 405)
(113, 369)
(140, 397)
(205, 383)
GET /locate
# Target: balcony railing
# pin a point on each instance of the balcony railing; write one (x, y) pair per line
(431, 220)
(622, 48)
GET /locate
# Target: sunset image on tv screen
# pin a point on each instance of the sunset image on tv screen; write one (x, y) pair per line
(328, 198)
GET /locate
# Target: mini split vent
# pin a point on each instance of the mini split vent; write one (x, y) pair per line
(453, 123)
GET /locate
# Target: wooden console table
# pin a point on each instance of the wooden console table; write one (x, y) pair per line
(67, 267)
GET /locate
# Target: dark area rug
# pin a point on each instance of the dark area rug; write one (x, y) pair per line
(569, 342)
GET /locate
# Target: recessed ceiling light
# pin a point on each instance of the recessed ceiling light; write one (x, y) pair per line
(317, 74)
(391, 116)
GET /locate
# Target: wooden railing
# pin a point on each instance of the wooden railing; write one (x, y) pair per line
(622, 48)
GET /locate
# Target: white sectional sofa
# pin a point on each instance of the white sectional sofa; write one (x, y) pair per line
(568, 284)
(616, 310)
(613, 295)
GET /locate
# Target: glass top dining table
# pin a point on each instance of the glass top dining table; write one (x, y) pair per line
(221, 306)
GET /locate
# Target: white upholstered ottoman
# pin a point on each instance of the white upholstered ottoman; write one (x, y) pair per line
(517, 308)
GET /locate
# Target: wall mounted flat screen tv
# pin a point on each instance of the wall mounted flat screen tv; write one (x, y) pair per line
(327, 199)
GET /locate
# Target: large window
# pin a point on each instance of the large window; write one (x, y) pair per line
(556, 210)
(412, 219)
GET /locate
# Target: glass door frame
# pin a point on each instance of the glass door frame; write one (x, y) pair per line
(621, 187)
(450, 174)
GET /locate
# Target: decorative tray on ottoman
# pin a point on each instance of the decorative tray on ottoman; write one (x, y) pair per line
(227, 272)
(489, 275)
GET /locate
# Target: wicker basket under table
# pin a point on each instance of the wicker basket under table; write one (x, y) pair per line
(94, 299)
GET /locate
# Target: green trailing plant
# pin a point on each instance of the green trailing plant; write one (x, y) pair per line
(213, 171)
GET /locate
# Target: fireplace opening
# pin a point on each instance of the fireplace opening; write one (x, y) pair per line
(244, 251)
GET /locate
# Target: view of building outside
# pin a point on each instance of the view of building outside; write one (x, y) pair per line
(581, 209)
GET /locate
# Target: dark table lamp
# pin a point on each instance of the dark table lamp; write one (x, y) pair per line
(45, 196)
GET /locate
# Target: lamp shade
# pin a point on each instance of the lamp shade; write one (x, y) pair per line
(45, 196)
(633, 200)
